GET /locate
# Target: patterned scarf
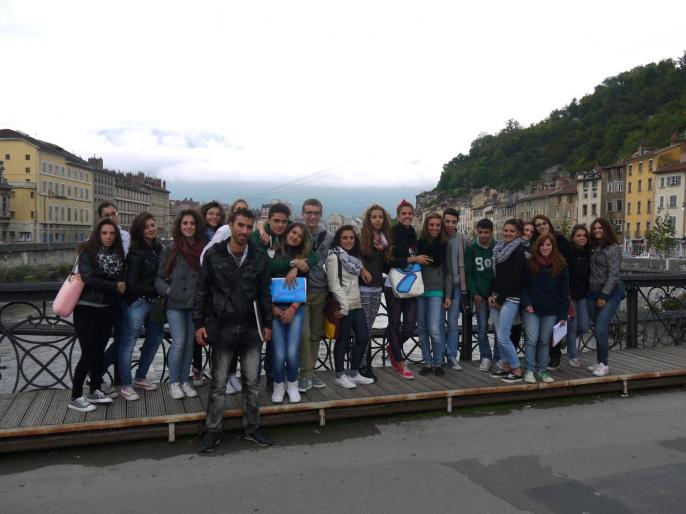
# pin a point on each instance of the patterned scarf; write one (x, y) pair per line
(503, 249)
(350, 263)
(109, 263)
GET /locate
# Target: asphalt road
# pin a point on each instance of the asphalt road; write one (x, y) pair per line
(598, 455)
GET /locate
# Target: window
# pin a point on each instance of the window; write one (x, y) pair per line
(640, 186)
(672, 221)
(609, 186)
(7, 157)
(50, 213)
(628, 207)
(640, 166)
(649, 207)
(609, 206)
(631, 167)
(672, 201)
(674, 181)
(628, 228)
(661, 203)
(650, 184)
(49, 168)
(584, 210)
(628, 187)
(69, 213)
(650, 165)
(585, 195)
(594, 210)
(619, 206)
(647, 227)
(620, 186)
(33, 215)
(638, 207)
(45, 187)
(32, 194)
(27, 169)
(662, 182)
(638, 230)
(44, 166)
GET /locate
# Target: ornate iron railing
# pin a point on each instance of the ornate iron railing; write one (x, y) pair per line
(37, 348)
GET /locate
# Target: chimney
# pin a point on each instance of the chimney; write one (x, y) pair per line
(95, 162)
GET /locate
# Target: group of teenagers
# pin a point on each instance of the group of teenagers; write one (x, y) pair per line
(213, 286)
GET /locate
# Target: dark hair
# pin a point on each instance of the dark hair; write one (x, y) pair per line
(213, 205)
(367, 232)
(355, 251)
(92, 244)
(404, 203)
(241, 211)
(424, 234)
(575, 229)
(312, 201)
(279, 208)
(302, 251)
(485, 223)
(451, 212)
(199, 225)
(235, 203)
(104, 205)
(547, 220)
(609, 234)
(517, 223)
(137, 231)
(557, 261)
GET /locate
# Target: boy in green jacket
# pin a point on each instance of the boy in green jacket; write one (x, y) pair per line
(478, 264)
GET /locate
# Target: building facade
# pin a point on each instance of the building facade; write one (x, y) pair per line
(589, 190)
(130, 197)
(5, 193)
(613, 199)
(52, 190)
(103, 184)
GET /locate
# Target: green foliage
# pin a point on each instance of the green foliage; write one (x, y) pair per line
(645, 105)
(35, 273)
(661, 235)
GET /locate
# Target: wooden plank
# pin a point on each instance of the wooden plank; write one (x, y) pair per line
(116, 410)
(171, 406)
(40, 405)
(21, 404)
(668, 356)
(154, 402)
(5, 402)
(137, 408)
(55, 414)
(329, 392)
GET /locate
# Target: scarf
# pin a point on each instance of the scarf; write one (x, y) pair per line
(350, 263)
(109, 263)
(502, 250)
(434, 249)
(544, 262)
(190, 252)
(380, 242)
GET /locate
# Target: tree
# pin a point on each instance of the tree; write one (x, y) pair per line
(565, 228)
(661, 235)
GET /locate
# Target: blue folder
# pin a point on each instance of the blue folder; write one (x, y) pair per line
(283, 294)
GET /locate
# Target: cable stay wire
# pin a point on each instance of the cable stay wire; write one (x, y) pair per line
(317, 174)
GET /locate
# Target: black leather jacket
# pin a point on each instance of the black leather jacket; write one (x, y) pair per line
(225, 292)
(141, 269)
(98, 288)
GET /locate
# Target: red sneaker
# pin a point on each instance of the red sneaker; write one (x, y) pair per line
(407, 374)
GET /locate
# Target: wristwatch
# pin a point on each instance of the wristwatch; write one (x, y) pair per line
(292, 264)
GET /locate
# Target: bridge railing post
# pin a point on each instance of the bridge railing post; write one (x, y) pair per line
(632, 317)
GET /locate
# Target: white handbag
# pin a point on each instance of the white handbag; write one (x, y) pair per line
(407, 282)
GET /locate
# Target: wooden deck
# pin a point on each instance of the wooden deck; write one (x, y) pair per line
(40, 419)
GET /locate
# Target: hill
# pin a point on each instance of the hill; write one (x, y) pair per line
(645, 105)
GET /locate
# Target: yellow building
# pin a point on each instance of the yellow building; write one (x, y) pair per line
(52, 190)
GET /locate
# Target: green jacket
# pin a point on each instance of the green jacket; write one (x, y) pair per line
(278, 266)
(478, 265)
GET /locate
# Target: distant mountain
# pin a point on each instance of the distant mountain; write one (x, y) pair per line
(645, 105)
(347, 201)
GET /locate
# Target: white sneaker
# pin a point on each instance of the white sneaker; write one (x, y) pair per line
(601, 370)
(485, 365)
(529, 377)
(574, 363)
(128, 393)
(454, 364)
(279, 390)
(230, 389)
(175, 391)
(293, 392)
(359, 379)
(235, 383)
(592, 367)
(188, 390)
(345, 382)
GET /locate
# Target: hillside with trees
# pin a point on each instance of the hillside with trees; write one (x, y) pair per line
(643, 106)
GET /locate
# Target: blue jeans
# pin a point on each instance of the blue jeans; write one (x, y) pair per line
(538, 329)
(601, 322)
(429, 320)
(482, 314)
(354, 322)
(577, 326)
(503, 319)
(136, 316)
(180, 353)
(285, 347)
(453, 338)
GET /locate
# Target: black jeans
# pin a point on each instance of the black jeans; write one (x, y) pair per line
(197, 359)
(93, 328)
(227, 341)
(112, 351)
(357, 323)
(397, 334)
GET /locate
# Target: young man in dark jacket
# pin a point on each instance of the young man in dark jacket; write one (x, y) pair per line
(234, 283)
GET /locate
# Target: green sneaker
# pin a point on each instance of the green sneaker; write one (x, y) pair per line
(317, 383)
(545, 377)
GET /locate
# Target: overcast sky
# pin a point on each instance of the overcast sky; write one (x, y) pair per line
(373, 92)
